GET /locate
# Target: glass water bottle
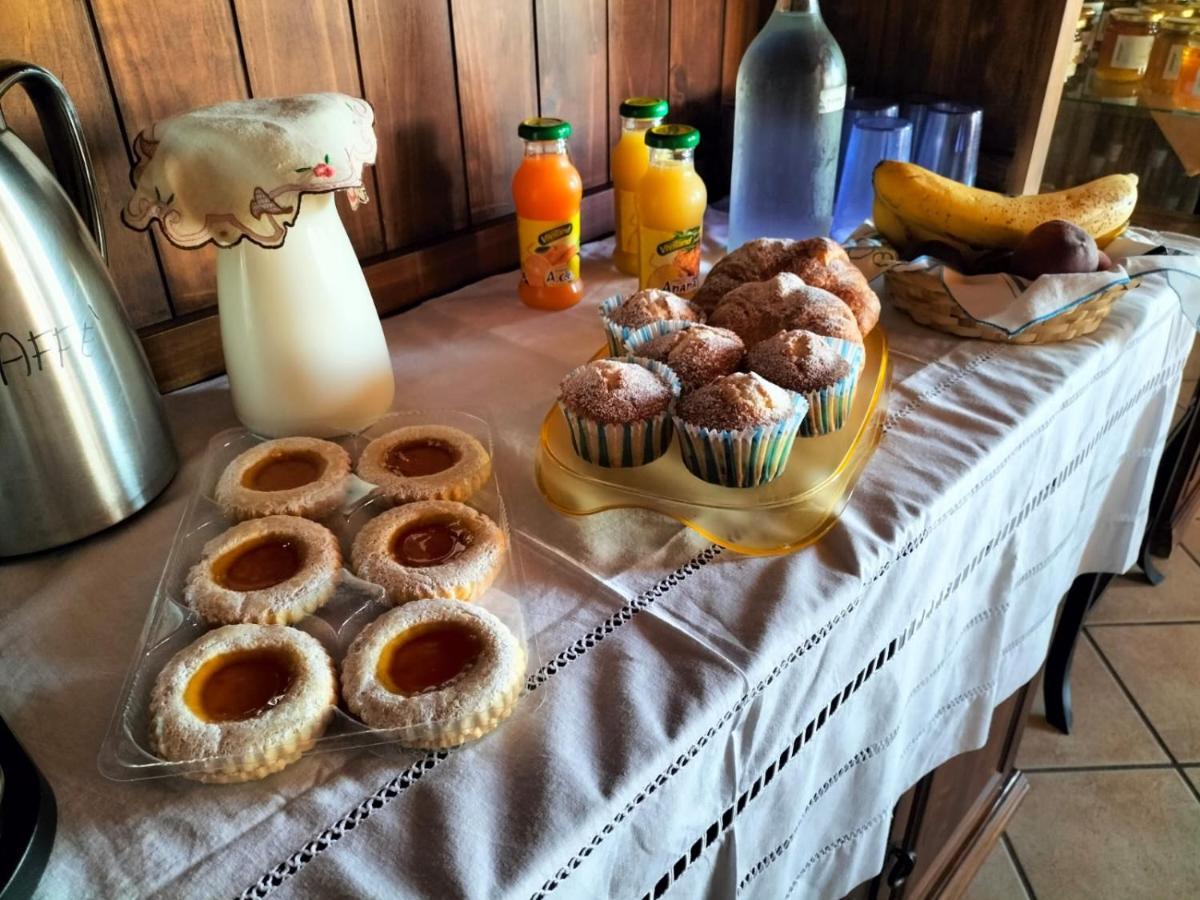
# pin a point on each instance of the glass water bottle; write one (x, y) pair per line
(791, 90)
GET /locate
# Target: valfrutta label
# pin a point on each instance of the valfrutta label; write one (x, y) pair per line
(671, 260)
(627, 223)
(549, 250)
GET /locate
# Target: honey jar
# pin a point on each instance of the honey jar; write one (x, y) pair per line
(1126, 45)
(1162, 71)
(1187, 86)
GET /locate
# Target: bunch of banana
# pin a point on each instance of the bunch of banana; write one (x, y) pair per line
(914, 205)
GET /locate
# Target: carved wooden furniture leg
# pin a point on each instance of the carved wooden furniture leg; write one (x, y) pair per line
(1056, 683)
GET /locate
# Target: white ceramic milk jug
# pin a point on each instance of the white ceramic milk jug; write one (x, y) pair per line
(303, 345)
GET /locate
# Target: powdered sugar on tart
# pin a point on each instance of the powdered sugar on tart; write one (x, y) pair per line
(247, 700)
(293, 476)
(449, 672)
(430, 549)
(268, 571)
(425, 462)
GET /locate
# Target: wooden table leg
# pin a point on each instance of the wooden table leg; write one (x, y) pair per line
(1056, 683)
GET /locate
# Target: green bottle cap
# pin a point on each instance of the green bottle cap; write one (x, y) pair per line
(672, 137)
(543, 129)
(644, 108)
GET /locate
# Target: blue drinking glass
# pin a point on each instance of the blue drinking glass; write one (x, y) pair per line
(861, 108)
(872, 140)
(914, 108)
(948, 140)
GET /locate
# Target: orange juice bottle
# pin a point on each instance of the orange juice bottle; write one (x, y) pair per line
(630, 157)
(670, 201)
(547, 191)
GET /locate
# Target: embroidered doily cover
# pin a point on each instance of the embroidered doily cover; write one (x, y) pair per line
(237, 170)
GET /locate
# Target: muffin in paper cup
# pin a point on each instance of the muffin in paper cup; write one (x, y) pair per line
(744, 457)
(823, 370)
(637, 442)
(619, 335)
(697, 353)
(829, 407)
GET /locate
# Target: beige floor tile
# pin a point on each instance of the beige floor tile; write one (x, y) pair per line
(1160, 664)
(1190, 539)
(1193, 774)
(997, 878)
(1131, 599)
(1116, 834)
(1106, 729)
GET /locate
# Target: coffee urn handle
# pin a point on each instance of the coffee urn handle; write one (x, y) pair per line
(64, 136)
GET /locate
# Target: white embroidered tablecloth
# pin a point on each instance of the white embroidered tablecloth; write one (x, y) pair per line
(700, 724)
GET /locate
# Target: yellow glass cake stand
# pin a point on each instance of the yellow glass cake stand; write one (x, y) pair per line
(791, 512)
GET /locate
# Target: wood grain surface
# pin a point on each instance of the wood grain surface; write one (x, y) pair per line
(572, 49)
(694, 85)
(497, 88)
(408, 75)
(639, 48)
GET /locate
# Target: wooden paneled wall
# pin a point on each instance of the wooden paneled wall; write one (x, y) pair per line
(449, 80)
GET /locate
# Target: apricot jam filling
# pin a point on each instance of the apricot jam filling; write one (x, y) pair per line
(430, 543)
(284, 471)
(243, 684)
(258, 564)
(428, 657)
(417, 458)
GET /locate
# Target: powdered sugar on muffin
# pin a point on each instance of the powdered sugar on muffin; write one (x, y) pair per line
(613, 391)
(733, 402)
(652, 305)
(798, 360)
(697, 354)
(753, 261)
(760, 309)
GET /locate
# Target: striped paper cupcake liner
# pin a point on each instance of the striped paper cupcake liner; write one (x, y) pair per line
(619, 335)
(748, 457)
(624, 445)
(829, 407)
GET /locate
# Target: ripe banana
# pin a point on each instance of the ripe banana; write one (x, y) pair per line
(914, 205)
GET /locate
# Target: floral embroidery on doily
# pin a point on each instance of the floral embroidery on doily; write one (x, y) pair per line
(235, 149)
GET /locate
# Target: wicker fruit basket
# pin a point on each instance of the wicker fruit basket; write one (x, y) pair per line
(923, 296)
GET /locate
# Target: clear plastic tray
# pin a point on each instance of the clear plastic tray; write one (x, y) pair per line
(170, 625)
(791, 512)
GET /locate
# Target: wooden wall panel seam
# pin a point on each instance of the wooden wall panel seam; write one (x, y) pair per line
(126, 143)
(241, 48)
(376, 194)
(462, 135)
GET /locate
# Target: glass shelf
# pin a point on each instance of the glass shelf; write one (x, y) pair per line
(1134, 97)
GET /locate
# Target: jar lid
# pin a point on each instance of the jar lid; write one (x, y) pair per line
(672, 137)
(544, 129)
(1180, 24)
(1133, 14)
(1170, 9)
(644, 108)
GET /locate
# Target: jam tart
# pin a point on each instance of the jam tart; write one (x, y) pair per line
(450, 672)
(257, 696)
(425, 462)
(430, 549)
(293, 476)
(269, 571)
